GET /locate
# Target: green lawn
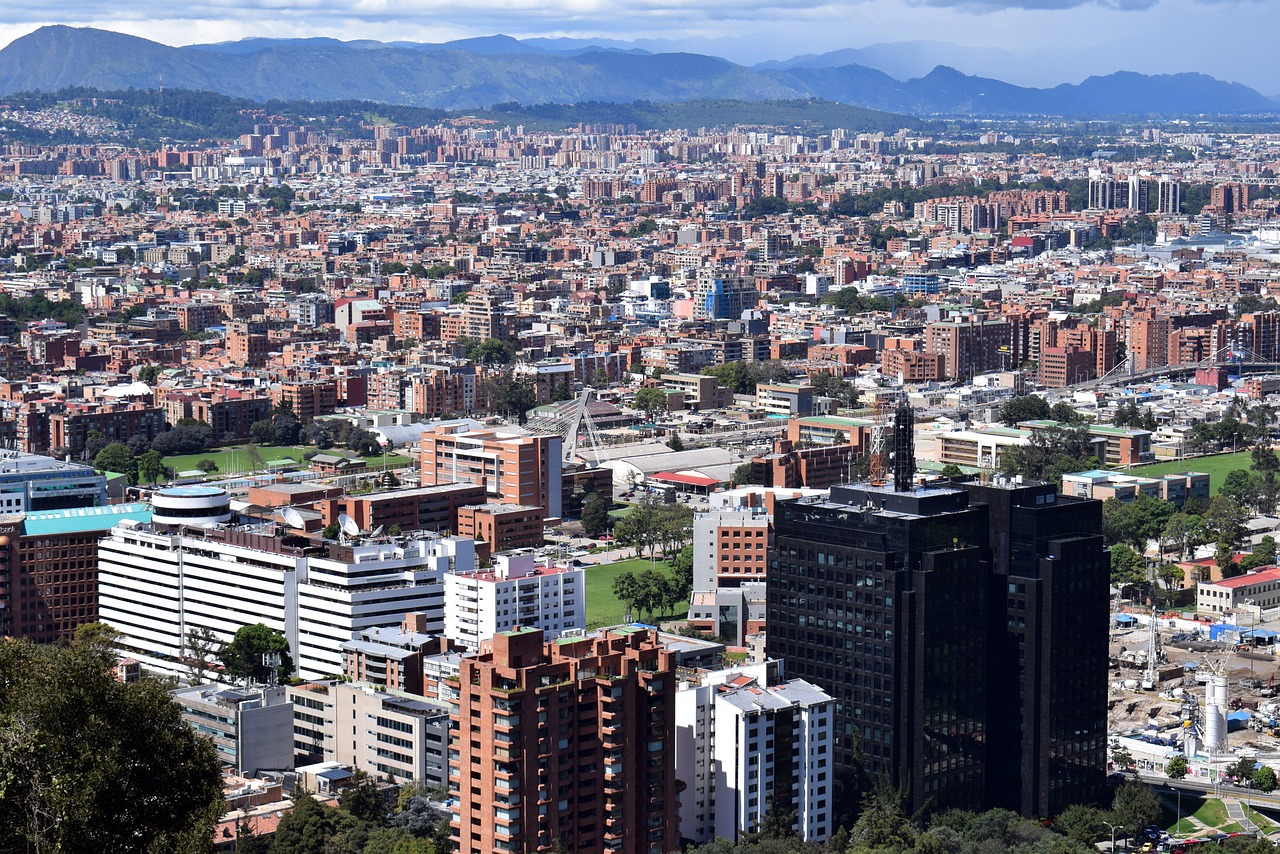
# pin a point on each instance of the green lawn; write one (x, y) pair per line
(1263, 823)
(1217, 466)
(603, 608)
(235, 461)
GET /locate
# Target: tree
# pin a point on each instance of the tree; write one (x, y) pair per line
(254, 457)
(682, 571)
(1127, 566)
(94, 441)
(1176, 768)
(203, 648)
(331, 531)
(951, 470)
(1066, 413)
(743, 474)
(262, 432)
(651, 401)
(511, 397)
(595, 515)
(830, 385)
(1081, 823)
(117, 458)
(1183, 531)
(1029, 407)
(88, 763)
(882, 825)
(627, 589)
(1243, 768)
(151, 468)
(1264, 779)
(363, 799)
(243, 657)
(149, 374)
(674, 442)
(207, 466)
(491, 352)
(1135, 522)
(1135, 806)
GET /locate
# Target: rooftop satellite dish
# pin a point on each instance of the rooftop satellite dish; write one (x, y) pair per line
(293, 518)
(376, 531)
(348, 525)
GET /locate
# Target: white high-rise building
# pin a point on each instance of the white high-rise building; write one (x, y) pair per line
(740, 741)
(158, 583)
(517, 591)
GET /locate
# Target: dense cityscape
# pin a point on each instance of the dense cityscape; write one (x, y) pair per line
(739, 488)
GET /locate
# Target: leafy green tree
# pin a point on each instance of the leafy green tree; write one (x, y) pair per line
(1135, 522)
(1176, 768)
(1127, 566)
(202, 649)
(94, 441)
(1183, 530)
(151, 467)
(1081, 823)
(88, 763)
(882, 825)
(254, 457)
(117, 458)
(830, 385)
(627, 589)
(331, 531)
(1135, 806)
(511, 397)
(682, 571)
(1243, 769)
(491, 352)
(243, 657)
(743, 474)
(262, 432)
(1026, 408)
(207, 466)
(951, 470)
(1066, 413)
(1264, 779)
(363, 799)
(595, 515)
(651, 401)
(149, 374)
(674, 442)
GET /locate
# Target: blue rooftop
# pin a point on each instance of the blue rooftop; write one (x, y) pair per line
(77, 520)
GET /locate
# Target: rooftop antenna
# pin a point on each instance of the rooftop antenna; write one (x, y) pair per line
(271, 661)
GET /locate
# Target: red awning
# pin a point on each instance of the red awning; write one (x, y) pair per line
(686, 479)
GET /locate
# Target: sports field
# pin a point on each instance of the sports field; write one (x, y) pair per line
(1217, 466)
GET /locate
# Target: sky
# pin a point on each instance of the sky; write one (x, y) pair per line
(1029, 42)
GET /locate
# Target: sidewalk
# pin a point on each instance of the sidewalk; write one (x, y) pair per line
(1235, 812)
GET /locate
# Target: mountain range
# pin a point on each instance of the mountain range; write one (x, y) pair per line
(479, 72)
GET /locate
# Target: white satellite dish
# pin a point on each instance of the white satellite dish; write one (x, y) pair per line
(376, 531)
(348, 525)
(293, 518)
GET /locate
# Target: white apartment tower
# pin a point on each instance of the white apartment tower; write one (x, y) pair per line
(739, 742)
(517, 591)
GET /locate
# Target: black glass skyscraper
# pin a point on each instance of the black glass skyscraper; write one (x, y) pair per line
(950, 625)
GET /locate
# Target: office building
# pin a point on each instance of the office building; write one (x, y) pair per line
(879, 597)
(730, 564)
(160, 581)
(565, 745)
(383, 733)
(49, 568)
(512, 466)
(746, 744)
(1047, 651)
(961, 632)
(517, 591)
(251, 728)
(30, 482)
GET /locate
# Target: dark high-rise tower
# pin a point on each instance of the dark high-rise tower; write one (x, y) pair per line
(880, 597)
(1047, 651)
(961, 631)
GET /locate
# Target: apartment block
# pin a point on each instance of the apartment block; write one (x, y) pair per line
(517, 591)
(511, 465)
(428, 508)
(745, 744)
(565, 745)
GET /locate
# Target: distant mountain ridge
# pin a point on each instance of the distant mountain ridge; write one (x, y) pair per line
(476, 73)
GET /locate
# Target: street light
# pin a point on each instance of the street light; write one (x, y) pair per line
(1249, 604)
(1114, 828)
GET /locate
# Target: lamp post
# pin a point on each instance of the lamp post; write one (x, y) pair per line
(1114, 828)
(1249, 604)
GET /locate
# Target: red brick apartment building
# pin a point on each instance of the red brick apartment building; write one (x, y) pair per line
(512, 466)
(565, 744)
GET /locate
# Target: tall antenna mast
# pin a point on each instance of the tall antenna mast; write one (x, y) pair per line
(879, 427)
(271, 661)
